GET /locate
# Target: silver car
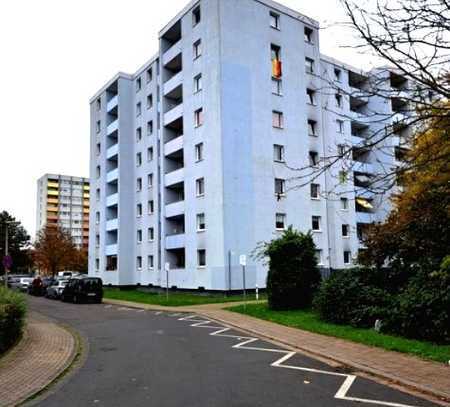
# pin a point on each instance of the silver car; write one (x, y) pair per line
(55, 291)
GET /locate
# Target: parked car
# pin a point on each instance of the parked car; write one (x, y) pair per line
(54, 291)
(24, 283)
(15, 281)
(83, 289)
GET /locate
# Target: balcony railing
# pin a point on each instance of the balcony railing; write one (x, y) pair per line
(173, 145)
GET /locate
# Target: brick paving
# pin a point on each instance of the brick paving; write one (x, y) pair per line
(44, 352)
(427, 377)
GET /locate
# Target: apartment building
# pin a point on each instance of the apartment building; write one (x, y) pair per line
(64, 201)
(195, 158)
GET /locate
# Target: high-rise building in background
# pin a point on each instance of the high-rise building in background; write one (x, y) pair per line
(64, 201)
(194, 157)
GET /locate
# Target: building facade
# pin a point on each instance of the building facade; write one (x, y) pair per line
(196, 157)
(64, 201)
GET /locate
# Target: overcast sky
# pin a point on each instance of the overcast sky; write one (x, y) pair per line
(56, 54)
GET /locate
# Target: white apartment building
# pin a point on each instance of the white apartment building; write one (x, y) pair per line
(195, 158)
(63, 201)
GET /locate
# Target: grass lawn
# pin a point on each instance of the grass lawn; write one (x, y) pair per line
(176, 299)
(309, 321)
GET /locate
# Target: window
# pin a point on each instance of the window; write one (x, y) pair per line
(150, 234)
(280, 221)
(280, 186)
(316, 220)
(97, 264)
(341, 150)
(98, 149)
(344, 204)
(310, 96)
(337, 74)
(138, 84)
(138, 134)
(198, 117)
(275, 52)
(150, 262)
(315, 191)
(199, 152)
(278, 153)
(150, 180)
(340, 126)
(201, 258)
(200, 186)
(274, 20)
(98, 126)
(347, 257)
(309, 65)
(139, 210)
(312, 125)
(308, 35)
(338, 99)
(319, 256)
(138, 109)
(139, 236)
(196, 16)
(150, 128)
(275, 55)
(345, 230)
(151, 207)
(97, 218)
(98, 171)
(138, 159)
(343, 177)
(313, 158)
(277, 120)
(99, 103)
(97, 240)
(97, 194)
(198, 83)
(201, 226)
(149, 75)
(149, 101)
(150, 154)
(277, 88)
(139, 262)
(139, 184)
(197, 49)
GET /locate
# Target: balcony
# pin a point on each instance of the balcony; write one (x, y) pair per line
(112, 103)
(174, 177)
(358, 141)
(175, 209)
(112, 175)
(112, 224)
(111, 250)
(173, 114)
(112, 151)
(175, 242)
(112, 200)
(173, 145)
(112, 127)
(173, 83)
(365, 217)
(171, 53)
(365, 168)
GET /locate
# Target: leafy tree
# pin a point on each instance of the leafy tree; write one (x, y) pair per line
(417, 232)
(293, 274)
(80, 261)
(18, 243)
(54, 250)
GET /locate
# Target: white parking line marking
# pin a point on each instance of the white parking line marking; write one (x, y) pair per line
(341, 394)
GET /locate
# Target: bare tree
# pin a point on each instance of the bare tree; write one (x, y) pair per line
(412, 38)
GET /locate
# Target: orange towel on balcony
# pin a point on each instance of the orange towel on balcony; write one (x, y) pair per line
(276, 68)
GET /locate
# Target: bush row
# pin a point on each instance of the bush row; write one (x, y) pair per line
(12, 317)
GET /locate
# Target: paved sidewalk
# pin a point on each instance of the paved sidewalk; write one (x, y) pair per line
(44, 352)
(426, 377)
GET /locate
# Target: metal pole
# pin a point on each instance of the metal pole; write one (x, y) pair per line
(257, 292)
(167, 284)
(243, 280)
(6, 253)
(229, 271)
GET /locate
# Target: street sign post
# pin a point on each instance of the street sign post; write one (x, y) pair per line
(167, 268)
(7, 264)
(243, 263)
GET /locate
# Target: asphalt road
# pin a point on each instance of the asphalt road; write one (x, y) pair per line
(144, 358)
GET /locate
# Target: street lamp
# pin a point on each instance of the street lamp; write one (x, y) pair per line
(6, 259)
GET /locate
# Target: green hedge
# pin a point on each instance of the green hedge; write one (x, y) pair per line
(12, 317)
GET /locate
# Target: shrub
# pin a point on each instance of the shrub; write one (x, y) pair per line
(12, 317)
(293, 272)
(422, 309)
(354, 297)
